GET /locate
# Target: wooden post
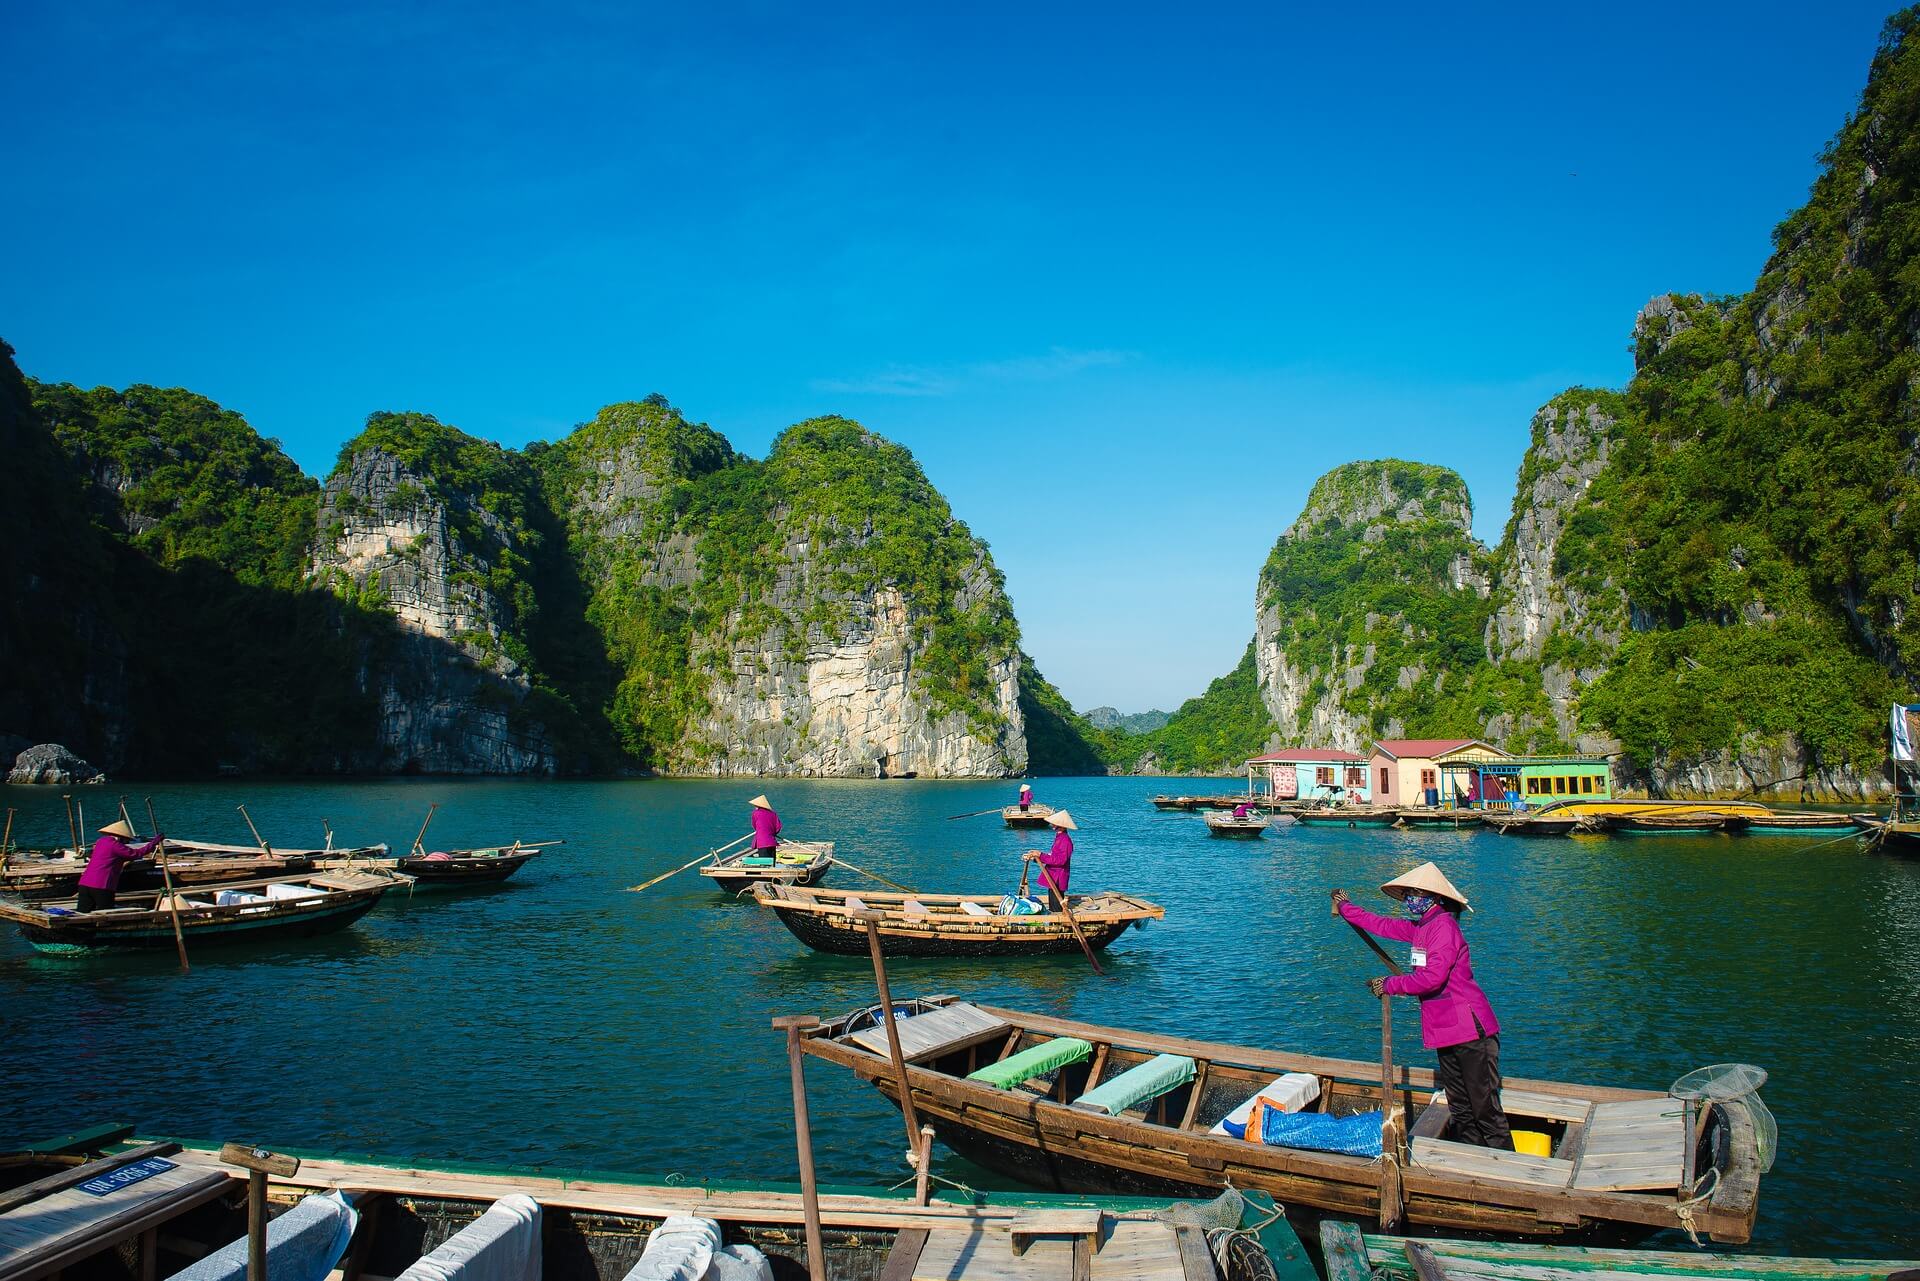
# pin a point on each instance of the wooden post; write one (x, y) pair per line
(794, 1025)
(72, 830)
(264, 847)
(923, 1167)
(258, 1163)
(6, 841)
(907, 1110)
(166, 883)
(421, 835)
(1390, 1200)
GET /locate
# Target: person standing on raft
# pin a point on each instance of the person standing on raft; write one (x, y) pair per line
(109, 858)
(1456, 1019)
(1026, 797)
(766, 827)
(1056, 865)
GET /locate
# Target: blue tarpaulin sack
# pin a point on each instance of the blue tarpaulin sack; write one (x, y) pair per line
(1356, 1135)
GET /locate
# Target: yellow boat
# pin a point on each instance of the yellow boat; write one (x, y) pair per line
(1677, 809)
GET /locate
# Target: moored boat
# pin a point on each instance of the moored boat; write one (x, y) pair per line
(1351, 1255)
(1800, 823)
(1035, 815)
(793, 863)
(1509, 823)
(1447, 816)
(1074, 1106)
(1170, 802)
(269, 908)
(1699, 822)
(1607, 808)
(1340, 816)
(452, 868)
(1252, 827)
(950, 924)
(36, 878)
(164, 1207)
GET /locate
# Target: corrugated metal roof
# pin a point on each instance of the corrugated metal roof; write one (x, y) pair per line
(1402, 747)
(1312, 755)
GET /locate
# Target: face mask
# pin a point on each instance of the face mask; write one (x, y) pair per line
(1417, 905)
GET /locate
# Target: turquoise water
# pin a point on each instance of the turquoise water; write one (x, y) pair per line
(556, 1021)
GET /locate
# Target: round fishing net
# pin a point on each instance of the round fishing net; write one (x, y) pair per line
(1224, 1211)
(1735, 1085)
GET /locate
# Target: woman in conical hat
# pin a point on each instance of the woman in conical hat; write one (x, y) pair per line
(109, 858)
(1026, 797)
(1456, 1019)
(766, 826)
(1056, 865)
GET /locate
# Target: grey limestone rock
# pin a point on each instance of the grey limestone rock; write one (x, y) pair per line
(52, 763)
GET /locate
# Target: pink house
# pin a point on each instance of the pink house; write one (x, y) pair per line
(1404, 771)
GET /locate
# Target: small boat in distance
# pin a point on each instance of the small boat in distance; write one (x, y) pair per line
(1344, 816)
(1252, 827)
(1532, 823)
(1450, 816)
(452, 868)
(247, 911)
(1801, 823)
(949, 924)
(1035, 815)
(1700, 822)
(793, 863)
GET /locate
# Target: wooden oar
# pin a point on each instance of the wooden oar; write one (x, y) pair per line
(1046, 879)
(873, 875)
(421, 835)
(976, 814)
(1392, 1204)
(635, 889)
(257, 839)
(6, 841)
(72, 831)
(166, 880)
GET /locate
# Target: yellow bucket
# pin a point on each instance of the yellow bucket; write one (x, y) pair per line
(1532, 1143)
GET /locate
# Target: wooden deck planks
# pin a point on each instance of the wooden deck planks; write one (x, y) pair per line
(65, 1226)
(953, 1254)
(1637, 1146)
(1551, 1107)
(1476, 1162)
(924, 1035)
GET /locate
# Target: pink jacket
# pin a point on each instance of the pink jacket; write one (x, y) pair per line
(109, 858)
(766, 829)
(1056, 865)
(1451, 1003)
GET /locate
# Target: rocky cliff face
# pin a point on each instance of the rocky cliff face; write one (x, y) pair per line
(452, 686)
(1361, 605)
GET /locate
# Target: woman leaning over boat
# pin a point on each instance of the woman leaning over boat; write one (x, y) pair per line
(109, 858)
(1456, 1019)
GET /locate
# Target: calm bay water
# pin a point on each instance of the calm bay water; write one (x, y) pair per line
(558, 1022)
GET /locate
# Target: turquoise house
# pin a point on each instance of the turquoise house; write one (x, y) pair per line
(1310, 774)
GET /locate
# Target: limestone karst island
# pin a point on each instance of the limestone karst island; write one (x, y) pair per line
(1261, 643)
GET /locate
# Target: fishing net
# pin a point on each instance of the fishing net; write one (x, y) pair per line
(1224, 1211)
(1735, 1085)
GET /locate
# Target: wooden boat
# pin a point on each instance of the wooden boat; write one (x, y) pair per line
(213, 849)
(1224, 802)
(1351, 1255)
(1698, 822)
(270, 908)
(166, 1205)
(1035, 815)
(454, 868)
(949, 924)
(1895, 835)
(1341, 816)
(1603, 809)
(1171, 802)
(794, 863)
(59, 877)
(1252, 827)
(1530, 823)
(1450, 816)
(1627, 1163)
(1800, 823)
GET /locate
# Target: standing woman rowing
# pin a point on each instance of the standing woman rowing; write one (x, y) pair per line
(1056, 865)
(1456, 1019)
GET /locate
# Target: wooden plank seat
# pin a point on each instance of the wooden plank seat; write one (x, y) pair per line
(934, 1032)
(1474, 1161)
(1635, 1146)
(1139, 1084)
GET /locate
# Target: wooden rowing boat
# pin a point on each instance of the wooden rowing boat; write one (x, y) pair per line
(1507, 823)
(949, 924)
(794, 863)
(1252, 827)
(35, 879)
(269, 908)
(1602, 809)
(593, 1227)
(452, 869)
(1351, 1255)
(1034, 815)
(1800, 823)
(1340, 816)
(1627, 1162)
(1700, 822)
(1449, 816)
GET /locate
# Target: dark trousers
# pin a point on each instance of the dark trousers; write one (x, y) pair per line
(92, 900)
(1470, 1074)
(1024, 805)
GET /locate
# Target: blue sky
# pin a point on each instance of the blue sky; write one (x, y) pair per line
(1126, 279)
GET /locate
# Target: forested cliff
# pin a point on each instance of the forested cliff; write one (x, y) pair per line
(1714, 572)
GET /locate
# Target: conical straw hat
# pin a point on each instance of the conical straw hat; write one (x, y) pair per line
(761, 802)
(1060, 818)
(1427, 879)
(118, 828)
(1026, 787)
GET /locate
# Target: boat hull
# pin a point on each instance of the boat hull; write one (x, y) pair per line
(107, 934)
(823, 934)
(458, 872)
(1533, 826)
(1311, 819)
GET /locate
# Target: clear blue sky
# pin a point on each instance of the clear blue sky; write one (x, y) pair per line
(1126, 279)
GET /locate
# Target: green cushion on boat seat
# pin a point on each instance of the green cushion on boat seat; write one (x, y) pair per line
(750, 861)
(1035, 1060)
(1136, 1085)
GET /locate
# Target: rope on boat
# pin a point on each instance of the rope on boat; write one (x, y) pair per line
(1694, 1197)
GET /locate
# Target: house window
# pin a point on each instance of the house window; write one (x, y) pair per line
(1586, 785)
(1533, 787)
(1356, 777)
(1426, 779)
(1324, 776)
(1560, 784)
(1385, 785)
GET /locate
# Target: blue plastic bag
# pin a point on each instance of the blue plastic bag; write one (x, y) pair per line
(1356, 1135)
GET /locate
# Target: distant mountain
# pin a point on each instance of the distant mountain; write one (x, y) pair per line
(1131, 722)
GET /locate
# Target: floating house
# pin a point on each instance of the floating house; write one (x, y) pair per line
(1312, 773)
(1537, 780)
(1406, 771)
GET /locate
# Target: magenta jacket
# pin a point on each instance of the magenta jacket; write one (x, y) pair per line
(1450, 1001)
(1057, 863)
(109, 858)
(766, 829)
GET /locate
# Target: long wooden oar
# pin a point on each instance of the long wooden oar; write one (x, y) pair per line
(257, 838)
(840, 862)
(6, 841)
(635, 889)
(166, 880)
(1392, 1204)
(421, 835)
(72, 831)
(976, 814)
(1046, 879)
